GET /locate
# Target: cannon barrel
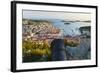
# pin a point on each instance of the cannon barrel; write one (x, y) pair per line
(58, 50)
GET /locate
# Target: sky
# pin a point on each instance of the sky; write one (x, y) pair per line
(29, 14)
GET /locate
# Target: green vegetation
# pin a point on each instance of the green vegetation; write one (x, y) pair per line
(71, 43)
(38, 51)
(36, 48)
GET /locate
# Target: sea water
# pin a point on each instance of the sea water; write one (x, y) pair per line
(72, 28)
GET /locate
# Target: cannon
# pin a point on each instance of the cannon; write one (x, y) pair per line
(58, 50)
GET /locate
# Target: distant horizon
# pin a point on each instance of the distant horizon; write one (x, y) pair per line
(61, 20)
(46, 15)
